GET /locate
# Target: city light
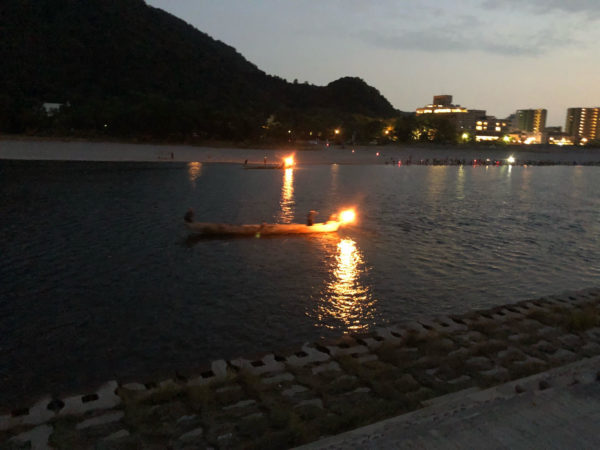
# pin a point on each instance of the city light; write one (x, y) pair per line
(510, 159)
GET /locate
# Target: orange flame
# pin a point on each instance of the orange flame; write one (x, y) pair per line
(347, 216)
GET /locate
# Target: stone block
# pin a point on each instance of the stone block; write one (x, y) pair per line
(544, 346)
(187, 419)
(548, 332)
(415, 327)
(293, 390)
(570, 340)
(460, 353)
(37, 437)
(479, 363)
(310, 402)
(497, 373)
(589, 349)
(366, 358)
(218, 372)
(219, 368)
(474, 336)
(562, 356)
(267, 363)
(168, 384)
(372, 342)
(280, 378)
(39, 413)
(100, 420)
(335, 350)
(392, 335)
(104, 398)
(192, 435)
(240, 404)
(308, 355)
(593, 333)
(117, 435)
(463, 379)
(512, 354)
(450, 325)
(134, 387)
(330, 366)
(360, 390)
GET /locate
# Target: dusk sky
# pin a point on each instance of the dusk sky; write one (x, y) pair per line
(498, 55)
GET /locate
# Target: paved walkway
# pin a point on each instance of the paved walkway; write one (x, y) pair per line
(565, 414)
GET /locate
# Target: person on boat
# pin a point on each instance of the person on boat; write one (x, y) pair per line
(310, 217)
(189, 216)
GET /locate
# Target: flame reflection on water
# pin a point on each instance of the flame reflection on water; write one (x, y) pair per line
(345, 298)
(194, 172)
(287, 197)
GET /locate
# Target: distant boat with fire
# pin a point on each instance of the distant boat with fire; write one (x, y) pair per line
(287, 163)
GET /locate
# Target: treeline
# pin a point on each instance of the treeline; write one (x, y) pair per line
(162, 119)
(157, 118)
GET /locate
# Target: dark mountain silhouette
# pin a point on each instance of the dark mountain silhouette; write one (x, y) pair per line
(124, 68)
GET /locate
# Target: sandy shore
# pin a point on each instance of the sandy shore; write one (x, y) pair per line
(98, 151)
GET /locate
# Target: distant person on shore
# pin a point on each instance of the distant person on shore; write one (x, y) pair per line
(265, 159)
(310, 217)
(189, 216)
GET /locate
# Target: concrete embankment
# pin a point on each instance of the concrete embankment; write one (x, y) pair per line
(288, 398)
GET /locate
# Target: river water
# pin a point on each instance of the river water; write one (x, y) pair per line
(98, 278)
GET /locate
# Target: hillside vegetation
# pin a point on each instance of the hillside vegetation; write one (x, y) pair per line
(125, 69)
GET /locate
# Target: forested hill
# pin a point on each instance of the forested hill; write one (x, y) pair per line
(126, 69)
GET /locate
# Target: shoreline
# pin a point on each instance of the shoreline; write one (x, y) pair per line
(291, 397)
(83, 150)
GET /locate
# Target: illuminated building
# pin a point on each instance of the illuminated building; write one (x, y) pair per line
(442, 104)
(582, 124)
(464, 119)
(489, 128)
(530, 120)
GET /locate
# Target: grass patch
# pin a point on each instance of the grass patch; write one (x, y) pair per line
(64, 435)
(344, 383)
(552, 317)
(582, 319)
(253, 427)
(488, 348)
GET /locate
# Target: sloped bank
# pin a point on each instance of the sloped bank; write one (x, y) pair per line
(287, 398)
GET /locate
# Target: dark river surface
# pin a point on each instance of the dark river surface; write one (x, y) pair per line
(98, 279)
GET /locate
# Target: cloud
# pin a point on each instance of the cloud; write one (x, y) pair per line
(434, 40)
(548, 6)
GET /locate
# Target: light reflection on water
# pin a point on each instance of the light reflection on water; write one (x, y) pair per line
(106, 260)
(194, 172)
(287, 197)
(346, 299)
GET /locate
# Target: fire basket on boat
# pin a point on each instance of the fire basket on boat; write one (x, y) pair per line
(267, 229)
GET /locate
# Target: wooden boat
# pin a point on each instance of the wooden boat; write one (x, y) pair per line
(263, 166)
(263, 229)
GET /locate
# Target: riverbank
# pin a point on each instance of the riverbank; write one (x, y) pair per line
(291, 397)
(79, 150)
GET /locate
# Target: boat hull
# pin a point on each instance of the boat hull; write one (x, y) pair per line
(265, 229)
